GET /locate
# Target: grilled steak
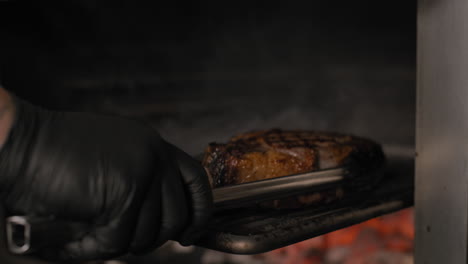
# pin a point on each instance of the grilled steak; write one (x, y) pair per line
(273, 153)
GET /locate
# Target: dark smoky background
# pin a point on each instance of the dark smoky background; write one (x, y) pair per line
(204, 71)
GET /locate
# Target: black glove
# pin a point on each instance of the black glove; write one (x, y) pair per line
(133, 190)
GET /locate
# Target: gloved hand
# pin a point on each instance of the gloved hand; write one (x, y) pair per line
(133, 190)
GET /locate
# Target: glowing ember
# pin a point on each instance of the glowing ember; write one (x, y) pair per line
(384, 240)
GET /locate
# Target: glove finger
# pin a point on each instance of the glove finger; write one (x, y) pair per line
(73, 230)
(102, 242)
(200, 196)
(149, 221)
(174, 215)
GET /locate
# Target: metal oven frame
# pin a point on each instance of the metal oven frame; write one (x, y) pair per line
(441, 182)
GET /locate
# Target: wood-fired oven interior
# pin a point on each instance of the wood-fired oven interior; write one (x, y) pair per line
(204, 71)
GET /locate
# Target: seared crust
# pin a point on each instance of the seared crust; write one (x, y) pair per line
(273, 153)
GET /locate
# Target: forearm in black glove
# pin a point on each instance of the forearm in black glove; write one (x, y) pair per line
(132, 189)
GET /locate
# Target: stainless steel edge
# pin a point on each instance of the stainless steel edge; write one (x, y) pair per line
(276, 187)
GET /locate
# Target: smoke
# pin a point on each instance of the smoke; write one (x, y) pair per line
(280, 67)
(293, 74)
(194, 135)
